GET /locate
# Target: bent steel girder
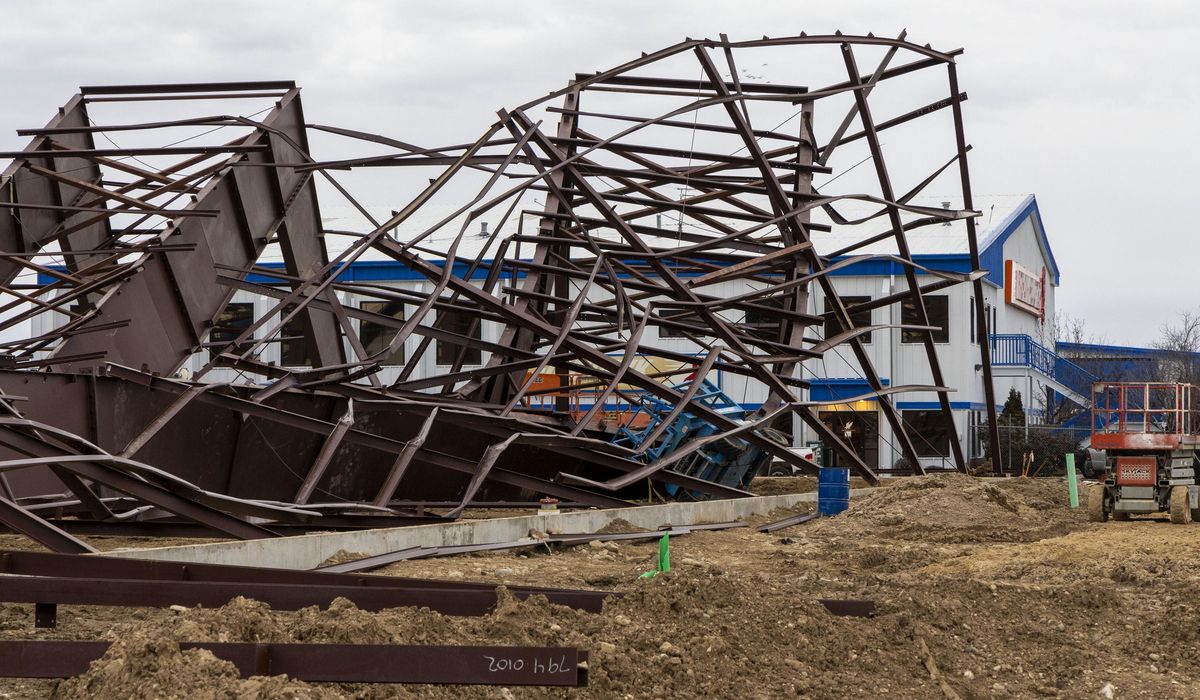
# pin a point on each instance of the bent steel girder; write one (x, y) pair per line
(167, 300)
(675, 195)
(32, 212)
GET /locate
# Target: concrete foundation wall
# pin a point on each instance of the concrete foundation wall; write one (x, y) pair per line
(308, 551)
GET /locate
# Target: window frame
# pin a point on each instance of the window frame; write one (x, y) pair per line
(933, 423)
(473, 356)
(384, 331)
(773, 327)
(940, 337)
(850, 300)
(236, 330)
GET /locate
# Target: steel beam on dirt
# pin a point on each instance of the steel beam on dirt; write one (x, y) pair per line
(58, 590)
(34, 564)
(332, 663)
(786, 522)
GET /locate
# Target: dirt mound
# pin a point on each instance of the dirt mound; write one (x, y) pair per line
(619, 526)
(342, 556)
(965, 600)
(145, 660)
(143, 663)
(685, 633)
(778, 485)
(958, 508)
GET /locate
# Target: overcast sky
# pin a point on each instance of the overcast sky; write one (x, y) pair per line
(1092, 106)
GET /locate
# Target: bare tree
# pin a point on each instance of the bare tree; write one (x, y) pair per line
(1180, 343)
(1062, 327)
(1070, 329)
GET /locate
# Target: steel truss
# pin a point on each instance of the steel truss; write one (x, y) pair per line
(140, 248)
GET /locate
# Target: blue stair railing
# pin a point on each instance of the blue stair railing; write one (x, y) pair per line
(1016, 350)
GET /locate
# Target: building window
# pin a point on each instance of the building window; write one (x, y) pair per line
(293, 348)
(860, 319)
(764, 324)
(231, 322)
(988, 313)
(376, 337)
(978, 424)
(971, 315)
(462, 324)
(938, 309)
(671, 331)
(929, 433)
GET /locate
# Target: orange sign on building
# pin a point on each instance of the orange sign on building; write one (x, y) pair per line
(1025, 290)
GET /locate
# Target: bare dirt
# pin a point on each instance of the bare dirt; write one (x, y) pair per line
(776, 485)
(984, 589)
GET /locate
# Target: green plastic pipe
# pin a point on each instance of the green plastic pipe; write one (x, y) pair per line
(1072, 485)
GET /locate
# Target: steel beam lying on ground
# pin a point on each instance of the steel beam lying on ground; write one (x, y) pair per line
(61, 590)
(332, 663)
(787, 522)
(49, 580)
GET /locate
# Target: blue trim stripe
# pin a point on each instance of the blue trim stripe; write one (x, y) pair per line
(935, 406)
(836, 390)
(950, 262)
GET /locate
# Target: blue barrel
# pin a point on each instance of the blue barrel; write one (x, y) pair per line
(833, 490)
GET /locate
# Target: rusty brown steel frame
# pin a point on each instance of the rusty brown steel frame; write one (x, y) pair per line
(332, 663)
(101, 416)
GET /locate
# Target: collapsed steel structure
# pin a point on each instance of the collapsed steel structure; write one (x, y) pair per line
(140, 248)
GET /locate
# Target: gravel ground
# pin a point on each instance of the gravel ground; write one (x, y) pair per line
(985, 589)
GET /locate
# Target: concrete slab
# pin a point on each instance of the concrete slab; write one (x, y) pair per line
(308, 551)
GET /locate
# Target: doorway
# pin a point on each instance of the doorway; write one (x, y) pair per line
(858, 429)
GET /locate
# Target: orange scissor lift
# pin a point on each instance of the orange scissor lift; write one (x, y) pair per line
(1151, 434)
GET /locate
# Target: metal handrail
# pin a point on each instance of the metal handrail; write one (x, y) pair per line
(1145, 407)
(1019, 350)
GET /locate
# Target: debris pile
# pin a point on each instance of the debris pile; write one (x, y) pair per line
(144, 665)
(955, 508)
(544, 262)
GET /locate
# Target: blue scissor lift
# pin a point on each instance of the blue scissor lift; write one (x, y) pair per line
(730, 461)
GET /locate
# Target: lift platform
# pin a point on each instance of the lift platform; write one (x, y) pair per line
(1151, 433)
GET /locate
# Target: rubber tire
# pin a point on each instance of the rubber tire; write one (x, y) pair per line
(1095, 504)
(1181, 507)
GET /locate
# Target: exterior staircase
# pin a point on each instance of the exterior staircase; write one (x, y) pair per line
(1020, 356)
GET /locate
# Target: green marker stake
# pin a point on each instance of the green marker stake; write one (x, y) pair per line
(1072, 486)
(664, 557)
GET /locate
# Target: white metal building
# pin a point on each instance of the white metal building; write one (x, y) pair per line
(1022, 276)
(1019, 288)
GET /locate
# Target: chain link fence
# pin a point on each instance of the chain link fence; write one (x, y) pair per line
(1032, 449)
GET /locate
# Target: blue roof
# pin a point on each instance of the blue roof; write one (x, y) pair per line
(1117, 350)
(991, 251)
